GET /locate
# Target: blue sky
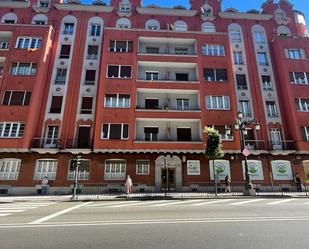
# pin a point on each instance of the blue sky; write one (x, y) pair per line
(241, 5)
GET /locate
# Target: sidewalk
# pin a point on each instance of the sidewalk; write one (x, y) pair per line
(148, 196)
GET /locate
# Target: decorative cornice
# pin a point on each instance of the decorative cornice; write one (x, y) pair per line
(38, 9)
(14, 4)
(166, 12)
(84, 7)
(249, 16)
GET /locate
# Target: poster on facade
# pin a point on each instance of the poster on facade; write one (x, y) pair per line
(281, 170)
(193, 168)
(222, 167)
(255, 169)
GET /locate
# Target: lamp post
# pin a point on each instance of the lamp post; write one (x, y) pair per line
(242, 126)
(78, 164)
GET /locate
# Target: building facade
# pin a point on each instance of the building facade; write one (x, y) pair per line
(131, 87)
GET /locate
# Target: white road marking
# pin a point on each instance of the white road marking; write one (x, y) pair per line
(49, 217)
(245, 202)
(126, 204)
(279, 202)
(104, 204)
(173, 203)
(13, 208)
(12, 211)
(1, 215)
(211, 202)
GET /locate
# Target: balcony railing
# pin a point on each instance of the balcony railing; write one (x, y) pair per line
(272, 145)
(46, 143)
(168, 108)
(255, 144)
(78, 144)
(144, 78)
(167, 53)
(283, 145)
(171, 140)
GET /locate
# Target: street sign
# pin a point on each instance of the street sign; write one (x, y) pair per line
(246, 152)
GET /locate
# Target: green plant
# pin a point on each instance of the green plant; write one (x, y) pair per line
(213, 148)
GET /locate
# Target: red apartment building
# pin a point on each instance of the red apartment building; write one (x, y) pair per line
(131, 87)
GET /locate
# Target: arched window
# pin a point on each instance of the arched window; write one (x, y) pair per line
(180, 26)
(123, 23)
(208, 27)
(152, 24)
(283, 31)
(39, 19)
(9, 18)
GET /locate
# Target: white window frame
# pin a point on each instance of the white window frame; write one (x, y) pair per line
(213, 50)
(151, 134)
(294, 54)
(180, 26)
(300, 81)
(306, 129)
(115, 169)
(143, 168)
(152, 74)
(45, 168)
(118, 101)
(109, 127)
(259, 37)
(16, 130)
(238, 58)
(68, 29)
(81, 175)
(183, 105)
(215, 102)
(9, 168)
(119, 72)
(11, 92)
(235, 36)
(272, 111)
(245, 108)
(97, 30)
(303, 105)
(30, 69)
(51, 141)
(259, 56)
(21, 43)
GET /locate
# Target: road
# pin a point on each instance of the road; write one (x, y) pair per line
(181, 224)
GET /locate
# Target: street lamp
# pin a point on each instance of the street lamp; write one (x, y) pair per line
(77, 165)
(242, 126)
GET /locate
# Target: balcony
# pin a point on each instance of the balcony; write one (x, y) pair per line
(283, 145)
(168, 131)
(78, 144)
(167, 72)
(167, 100)
(46, 143)
(167, 46)
(286, 145)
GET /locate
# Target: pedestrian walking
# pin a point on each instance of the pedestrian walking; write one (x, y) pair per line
(298, 182)
(129, 185)
(44, 185)
(227, 181)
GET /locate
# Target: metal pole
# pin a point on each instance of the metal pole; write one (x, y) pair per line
(78, 161)
(243, 146)
(165, 175)
(215, 177)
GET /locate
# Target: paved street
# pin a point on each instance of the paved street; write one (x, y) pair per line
(181, 224)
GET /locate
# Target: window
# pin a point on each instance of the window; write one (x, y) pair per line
(117, 100)
(65, 51)
(182, 76)
(9, 169)
(4, 45)
(152, 75)
(120, 46)
(119, 71)
(115, 131)
(9, 18)
(23, 69)
(152, 50)
(115, 170)
(45, 168)
(151, 103)
(95, 30)
(222, 131)
(56, 104)
(44, 3)
(142, 167)
(218, 75)
(238, 58)
(294, 54)
(151, 133)
(152, 24)
(86, 107)
(208, 27)
(61, 75)
(184, 134)
(51, 137)
(266, 81)
(235, 36)
(83, 170)
(16, 98)
(275, 137)
(302, 105)
(271, 109)
(90, 77)
(68, 29)
(283, 31)
(39, 22)
(218, 102)
(241, 82)
(183, 104)
(213, 50)
(28, 42)
(259, 37)
(305, 133)
(11, 130)
(180, 26)
(125, 7)
(92, 52)
(244, 108)
(181, 51)
(262, 59)
(123, 23)
(300, 78)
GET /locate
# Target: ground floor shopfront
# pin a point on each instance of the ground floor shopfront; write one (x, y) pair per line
(22, 173)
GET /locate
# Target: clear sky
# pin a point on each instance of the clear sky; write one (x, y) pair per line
(241, 5)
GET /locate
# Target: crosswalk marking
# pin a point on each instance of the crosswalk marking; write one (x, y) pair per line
(210, 202)
(2, 215)
(174, 203)
(245, 202)
(279, 202)
(12, 211)
(126, 205)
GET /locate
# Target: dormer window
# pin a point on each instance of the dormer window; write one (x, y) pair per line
(43, 3)
(207, 11)
(281, 18)
(125, 6)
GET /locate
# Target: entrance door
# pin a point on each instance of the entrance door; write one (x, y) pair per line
(168, 179)
(51, 138)
(83, 139)
(276, 140)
